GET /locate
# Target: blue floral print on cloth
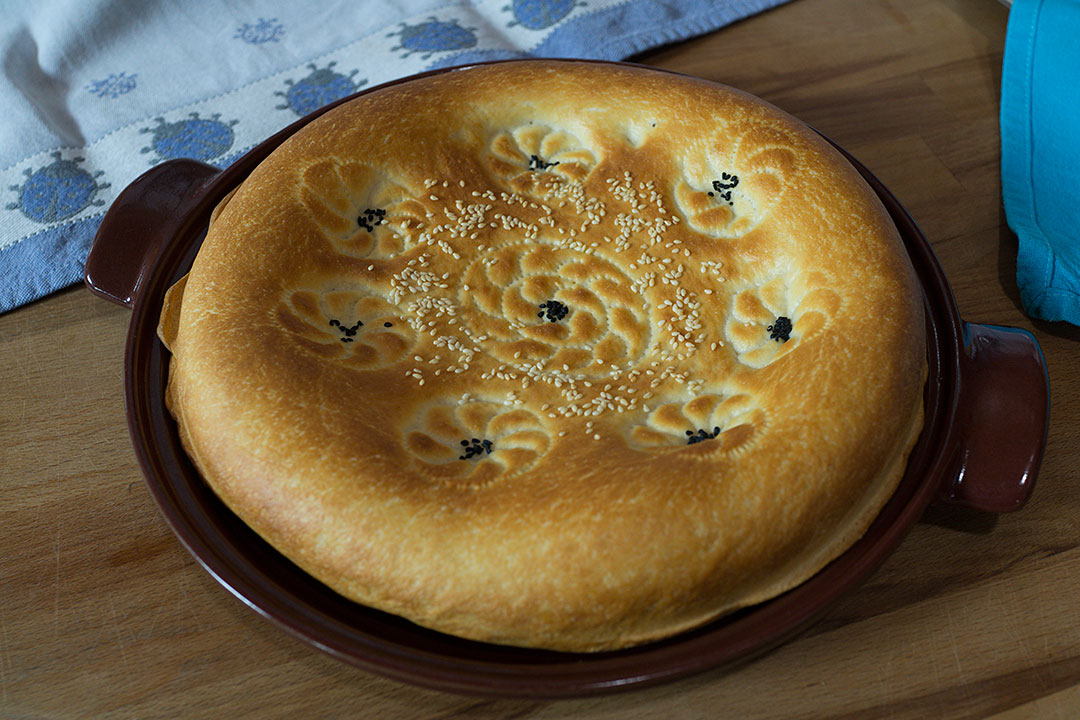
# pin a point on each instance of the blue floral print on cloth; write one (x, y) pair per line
(261, 31)
(540, 14)
(112, 86)
(95, 93)
(322, 87)
(192, 137)
(433, 36)
(58, 191)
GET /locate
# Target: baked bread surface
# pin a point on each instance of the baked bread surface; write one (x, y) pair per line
(552, 354)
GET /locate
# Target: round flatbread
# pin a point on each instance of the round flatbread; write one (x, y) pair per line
(555, 354)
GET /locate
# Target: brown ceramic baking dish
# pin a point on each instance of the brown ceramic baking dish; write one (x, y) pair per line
(987, 408)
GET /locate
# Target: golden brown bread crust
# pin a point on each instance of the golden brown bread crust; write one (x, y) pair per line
(502, 351)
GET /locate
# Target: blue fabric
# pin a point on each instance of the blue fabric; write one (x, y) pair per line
(1040, 153)
(96, 92)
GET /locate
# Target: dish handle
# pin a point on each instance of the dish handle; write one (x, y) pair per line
(1001, 414)
(137, 226)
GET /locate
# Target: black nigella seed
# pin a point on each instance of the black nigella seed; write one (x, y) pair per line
(347, 332)
(388, 324)
(780, 331)
(552, 310)
(724, 185)
(535, 163)
(370, 218)
(701, 435)
(475, 447)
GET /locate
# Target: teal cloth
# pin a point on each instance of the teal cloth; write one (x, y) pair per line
(1040, 153)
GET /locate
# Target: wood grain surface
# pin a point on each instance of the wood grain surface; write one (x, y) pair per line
(103, 613)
